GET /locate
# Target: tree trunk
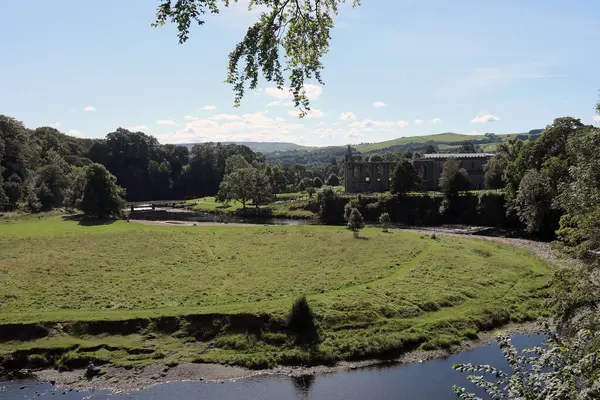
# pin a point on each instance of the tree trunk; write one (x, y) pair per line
(355, 233)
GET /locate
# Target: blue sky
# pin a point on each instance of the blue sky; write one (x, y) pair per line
(396, 68)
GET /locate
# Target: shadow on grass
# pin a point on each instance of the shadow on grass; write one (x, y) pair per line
(83, 220)
(302, 326)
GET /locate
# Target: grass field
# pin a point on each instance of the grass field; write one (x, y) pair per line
(228, 290)
(445, 138)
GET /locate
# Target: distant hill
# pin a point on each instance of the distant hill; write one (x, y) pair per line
(263, 147)
(442, 140)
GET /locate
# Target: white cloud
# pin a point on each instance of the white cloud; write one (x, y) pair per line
(379, 104)
(484, 118)
(248, 127)
(403, 124)
(89, 109)
(596, 118)
(348, 116)
(74, 132)
(354, 135)
(369, 124)
(138, 128)
(312, 113)
(313, 92)
(281, 103)
(166, 122)
(189, 117)
(226, 117)
(418, 121)
(208, 108)
(435, 121)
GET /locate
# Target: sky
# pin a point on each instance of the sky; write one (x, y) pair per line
(396, 68)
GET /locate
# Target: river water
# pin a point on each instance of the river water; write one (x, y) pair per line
(191, 216)
(430, 380)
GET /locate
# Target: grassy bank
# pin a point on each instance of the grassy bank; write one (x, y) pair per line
(133, 294)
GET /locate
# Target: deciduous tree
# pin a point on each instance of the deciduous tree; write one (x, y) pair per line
(102, 197)
(404, 178)
(290, 37)
(454, 179)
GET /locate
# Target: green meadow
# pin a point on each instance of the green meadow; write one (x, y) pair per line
(132, 294)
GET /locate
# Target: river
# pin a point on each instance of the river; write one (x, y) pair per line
(192, 216)
(430, 380)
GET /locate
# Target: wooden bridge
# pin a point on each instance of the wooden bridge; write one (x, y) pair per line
(153, 204)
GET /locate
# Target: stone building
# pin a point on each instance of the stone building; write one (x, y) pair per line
(371, 177)
(430, 167)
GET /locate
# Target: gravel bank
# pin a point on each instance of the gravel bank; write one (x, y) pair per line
(126, 380)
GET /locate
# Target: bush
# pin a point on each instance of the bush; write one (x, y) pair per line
(317, 182)
(311, 191)
(384, 220)
(333, 180)
(355, 222)
(301, 323)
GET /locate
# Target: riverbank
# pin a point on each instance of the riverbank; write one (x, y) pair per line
(129, 295)
(117, 379)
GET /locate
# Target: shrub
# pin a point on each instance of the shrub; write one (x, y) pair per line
(317, 182)
(355, 222)
(333, 180)
(384, 220)
(311, 191)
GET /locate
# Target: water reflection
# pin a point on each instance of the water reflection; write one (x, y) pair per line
(178, 215)
(302, 384)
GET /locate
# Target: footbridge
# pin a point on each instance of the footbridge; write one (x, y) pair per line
(153, 204)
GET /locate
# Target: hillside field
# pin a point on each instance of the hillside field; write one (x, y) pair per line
(132, 294)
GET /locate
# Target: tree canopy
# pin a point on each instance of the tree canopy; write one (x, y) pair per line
(301, 28)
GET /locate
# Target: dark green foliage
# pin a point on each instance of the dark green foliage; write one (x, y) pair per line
(301, 323)
(4, 200)
(311, 191)
(467, 147)
(33, 203)
(333, 180)
(328, 202)
(453, 179)
(102, 198)
(317, 182)
(430, 149)
(493, 174)
(404, 178)
(304, 184)
(14, 188)
(245, 184)
(52, 185)
(355, 221)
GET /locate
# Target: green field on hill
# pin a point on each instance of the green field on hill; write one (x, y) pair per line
(445, 138)
(133, 294)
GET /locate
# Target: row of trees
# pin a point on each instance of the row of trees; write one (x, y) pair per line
(39, 168)
(554, 183)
